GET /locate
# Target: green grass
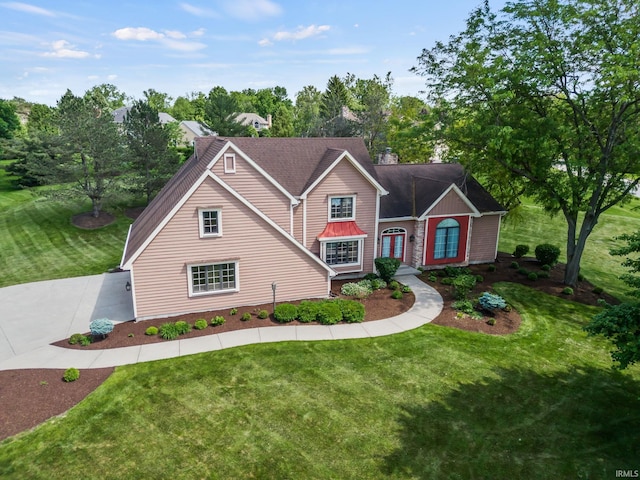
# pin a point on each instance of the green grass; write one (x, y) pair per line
(598, 266)
(38, 241)
(430, 403)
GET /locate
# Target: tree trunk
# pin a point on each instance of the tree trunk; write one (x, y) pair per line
(96, 207)
(576, 249)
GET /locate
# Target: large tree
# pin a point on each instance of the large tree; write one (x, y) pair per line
(92, 149)
(307, 120)
(150, 160)
(335, 103)
(9, 121)
(549, 92)
(372, 98)
(221, 110)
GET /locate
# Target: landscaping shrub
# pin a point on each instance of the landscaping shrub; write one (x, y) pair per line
(601, 302)
(378, 283)
(71, 374)
(532, 276)
(262, 314)
(329, 313)
(545, 267)
(491, 321)
(169, 331)
(359, 290)
(308, 311)
(523, 271)
(285, 313)
(85, 341)
(397, 295)
(547, 254)
(217, 320)
(394, 285)
(432, 277)
(567, 291)
(447, 281)
(183, 327)
(352, 311)
(233, 311)
(387, 267)
(200, 324)
(151, 331)
(479, 279)
(456, 271)
(76, 338)
(464, 306)
(101, 326)
(514, 265)
(462, 285)
(245, 317)
(521, 251)
(491, 268)
(371, 277)
(405, 289)
(543, 275)
(597, 290)
(491, 302)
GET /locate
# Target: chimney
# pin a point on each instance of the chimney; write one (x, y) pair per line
(268, 120)
(387, 158)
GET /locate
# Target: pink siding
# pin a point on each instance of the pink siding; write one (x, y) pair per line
(264, 256)
(409, 226)
(344, 179)
(451, 204)
(298, 217)
(253, 186)
(484, 235)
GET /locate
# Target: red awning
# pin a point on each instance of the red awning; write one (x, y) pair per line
(341, 229)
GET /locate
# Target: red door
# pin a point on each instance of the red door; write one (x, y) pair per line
(393, 245)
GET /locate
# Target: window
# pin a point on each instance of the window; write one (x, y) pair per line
(342, 208)
(342, 253)
(218, 277)
(229, 163)
(210, 222)
(447, 239)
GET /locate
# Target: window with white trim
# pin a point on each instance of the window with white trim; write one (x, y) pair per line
(210, 222)
(342, 208)
(213, 278)
(342, 252)
(447, 239)
(229, 163)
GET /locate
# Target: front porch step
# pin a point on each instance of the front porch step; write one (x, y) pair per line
(407, 270)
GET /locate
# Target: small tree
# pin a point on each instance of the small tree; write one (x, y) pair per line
(101, 326)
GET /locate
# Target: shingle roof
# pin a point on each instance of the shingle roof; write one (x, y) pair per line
(431, 180)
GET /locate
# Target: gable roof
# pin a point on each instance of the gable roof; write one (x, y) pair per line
(120, 113)
(197, 128)
(251, 119)
(432, 181)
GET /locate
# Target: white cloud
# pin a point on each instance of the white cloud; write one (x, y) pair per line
(63, 49)
(198, 11)
(137, 33)
(251, 10)
(198, 33)
(299, 34)
(27, 8)
(112, 77)
(171, 39)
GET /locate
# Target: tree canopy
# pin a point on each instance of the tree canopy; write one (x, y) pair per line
(9, 121)
(546, 92)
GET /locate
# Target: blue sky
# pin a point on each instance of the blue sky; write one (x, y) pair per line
(187, 46)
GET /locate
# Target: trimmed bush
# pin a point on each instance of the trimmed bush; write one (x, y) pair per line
(394, 285)
(597, 290)
(262, 314)
(233, 311)
(523, 271)
(462, 285)
(567, 291)
(491, 268)
(405, 289)
(217, 320)
(85, 341)
(329, 313)
(352, 311)
(200, 324)
(378, 283)
(71, 375)
(532, 276)
(371, 277)
(491, 302)
(169, 331)
(545, 267)
(521, 251)
(308, 311)
(387, 267)
(101, 326)
(360, 290)
(397, 295)
(285, 313)
(447, 281)
(76, 338)
(151, 331)
(479, 279)
(547, 254)
(432, 277)
(543, 275)
(464, 306)
(245, 317)
(514, 265)
(182, 327)
(491, 322)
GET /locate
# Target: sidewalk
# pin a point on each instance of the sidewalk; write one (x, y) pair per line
(427, 306)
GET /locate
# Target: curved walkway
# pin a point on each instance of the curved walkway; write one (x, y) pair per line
(427, 306)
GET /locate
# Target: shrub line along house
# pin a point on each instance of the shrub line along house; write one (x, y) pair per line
(246, 215)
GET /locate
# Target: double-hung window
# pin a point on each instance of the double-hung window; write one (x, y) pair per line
(213, 278)
(342, 208)
(210, 220)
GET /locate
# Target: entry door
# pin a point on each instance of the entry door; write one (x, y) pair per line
(393, 245)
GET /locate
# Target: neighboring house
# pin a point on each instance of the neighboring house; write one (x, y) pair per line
(243, 214)
(120, 113)
(255, 120)
(191, 130)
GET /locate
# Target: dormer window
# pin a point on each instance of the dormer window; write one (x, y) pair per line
(342, 208)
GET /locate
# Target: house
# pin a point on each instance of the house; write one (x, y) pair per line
(255, 120)
(245, 217)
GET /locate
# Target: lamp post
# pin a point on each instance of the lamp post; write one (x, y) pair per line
(274, 285)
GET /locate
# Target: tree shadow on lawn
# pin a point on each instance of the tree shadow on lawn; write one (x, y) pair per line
(583, 423)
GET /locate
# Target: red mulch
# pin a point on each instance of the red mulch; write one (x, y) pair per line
(28, 397)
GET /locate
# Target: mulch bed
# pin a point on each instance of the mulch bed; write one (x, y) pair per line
(28, 397)
(87, 221)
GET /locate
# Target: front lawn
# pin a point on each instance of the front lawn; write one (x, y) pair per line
(434, 402)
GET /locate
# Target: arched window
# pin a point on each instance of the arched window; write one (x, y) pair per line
(447, 239)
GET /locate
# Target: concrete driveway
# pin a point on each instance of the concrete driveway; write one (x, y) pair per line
(36, 314)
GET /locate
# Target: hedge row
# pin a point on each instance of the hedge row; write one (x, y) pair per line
(326, 312)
